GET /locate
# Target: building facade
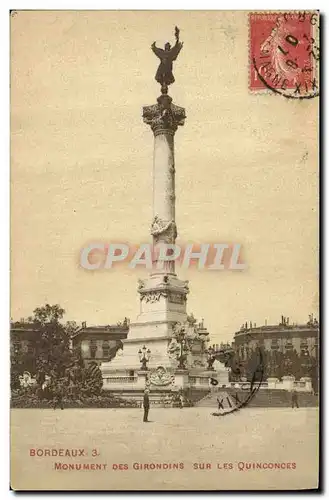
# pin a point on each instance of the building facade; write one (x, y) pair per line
(283, 337)
(23, 336)
(100, 343)
(96, 343)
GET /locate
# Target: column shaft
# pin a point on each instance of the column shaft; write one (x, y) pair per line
(164, 178)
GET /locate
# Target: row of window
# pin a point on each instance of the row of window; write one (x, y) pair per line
(19, 346)
(275, 346)
(105, 349)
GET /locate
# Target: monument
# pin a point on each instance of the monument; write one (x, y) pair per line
(165, 348)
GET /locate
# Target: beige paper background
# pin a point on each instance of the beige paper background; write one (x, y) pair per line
(81, 165)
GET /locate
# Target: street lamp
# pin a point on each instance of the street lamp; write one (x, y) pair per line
(144, 356)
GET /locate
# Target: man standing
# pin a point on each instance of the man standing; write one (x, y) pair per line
(146, 405)
(294, 399)
(58, 399)
(58, 402)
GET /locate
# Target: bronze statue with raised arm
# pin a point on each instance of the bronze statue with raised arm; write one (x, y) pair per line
(164, 74)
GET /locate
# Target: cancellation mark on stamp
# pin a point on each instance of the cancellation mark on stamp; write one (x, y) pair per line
(285, 53)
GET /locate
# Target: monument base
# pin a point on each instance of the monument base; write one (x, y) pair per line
(168, 338)
(164, 384)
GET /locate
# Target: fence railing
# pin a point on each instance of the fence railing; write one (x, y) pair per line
(120, 380)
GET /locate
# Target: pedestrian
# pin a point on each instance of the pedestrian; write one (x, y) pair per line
(294, 399)
(58, 401)
(146, 405)
(58, 398)
(181, 401)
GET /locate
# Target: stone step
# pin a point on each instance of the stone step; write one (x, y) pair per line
(263, 398)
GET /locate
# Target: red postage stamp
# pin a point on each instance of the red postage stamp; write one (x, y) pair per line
(284, 53)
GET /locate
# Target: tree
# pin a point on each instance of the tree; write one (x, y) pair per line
(15, 370)
(71, 328)
(53, 357)
(83, 381)
(93, 380)
(254, 364)
(21, 360)
(48, 314)
(52, 349)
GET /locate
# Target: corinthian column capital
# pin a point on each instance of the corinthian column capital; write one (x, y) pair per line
(164, 117)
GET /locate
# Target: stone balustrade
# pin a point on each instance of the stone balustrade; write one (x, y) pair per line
(287, 383)
(202, 381)
(120, 380)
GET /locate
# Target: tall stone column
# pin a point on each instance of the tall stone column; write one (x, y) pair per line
(162, 295)
(164, 119)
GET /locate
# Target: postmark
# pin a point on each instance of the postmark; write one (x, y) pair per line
(234, 401)
(284, 53)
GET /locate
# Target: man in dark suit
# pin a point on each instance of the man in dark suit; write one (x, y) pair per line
(294, 399)
(146, 405)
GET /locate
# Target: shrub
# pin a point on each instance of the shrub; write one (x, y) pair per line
(33, 399)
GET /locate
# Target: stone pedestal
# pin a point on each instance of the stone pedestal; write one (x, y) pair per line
(308, 384)
(141, 380)
(181, 379)
(162, 300)
(163, 295)
(272, 382)
(288, 382)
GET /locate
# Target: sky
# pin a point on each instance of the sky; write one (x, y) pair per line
(81, 167)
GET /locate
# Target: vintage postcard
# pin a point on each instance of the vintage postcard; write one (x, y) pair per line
(164, 323)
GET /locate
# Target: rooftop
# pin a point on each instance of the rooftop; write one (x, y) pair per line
(25, 326)
(283, 325)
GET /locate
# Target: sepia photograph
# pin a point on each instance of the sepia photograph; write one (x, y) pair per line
(164, 225)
